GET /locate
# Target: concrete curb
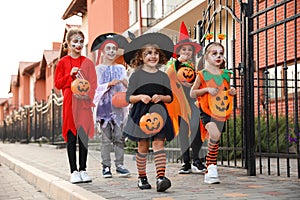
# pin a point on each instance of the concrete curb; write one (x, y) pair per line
(54, 187)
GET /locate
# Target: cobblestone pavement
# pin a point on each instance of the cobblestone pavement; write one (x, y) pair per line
(15, 187)
(235, 184)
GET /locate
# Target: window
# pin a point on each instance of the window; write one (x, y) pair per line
(273, 80)
(291, 80)
(292, 77)
(133, 12)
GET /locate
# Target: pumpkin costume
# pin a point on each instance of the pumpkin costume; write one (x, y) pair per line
(219, 107)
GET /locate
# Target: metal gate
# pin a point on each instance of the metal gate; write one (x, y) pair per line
(262, 51)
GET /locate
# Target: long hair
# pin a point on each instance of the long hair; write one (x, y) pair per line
(69, 35)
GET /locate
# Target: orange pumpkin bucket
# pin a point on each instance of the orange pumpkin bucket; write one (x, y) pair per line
(119, 100)
(186, 74)
(151, 123)
(80, 86)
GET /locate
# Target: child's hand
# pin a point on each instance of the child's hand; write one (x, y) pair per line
(182, 58)
(74, 70)
(145, 98)
(212, 91)
(113, 82)
(232, 91)
(124, 82)
(156, 98)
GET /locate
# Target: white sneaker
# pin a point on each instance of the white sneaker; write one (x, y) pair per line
(211, 177)
(85, 177)
(75, 177)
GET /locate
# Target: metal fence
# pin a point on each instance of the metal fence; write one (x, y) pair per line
(41, 122)
(262, 135)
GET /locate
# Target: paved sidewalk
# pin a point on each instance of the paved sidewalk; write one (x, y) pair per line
(46, 168)
(14, 187)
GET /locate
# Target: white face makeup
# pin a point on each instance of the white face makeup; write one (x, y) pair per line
(77, 42)
(215, 55)
(110, 51)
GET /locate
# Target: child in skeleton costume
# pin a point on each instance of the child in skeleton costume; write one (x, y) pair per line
(181, 72)
(214, 97)
(110, 119)
(148, 91)
(77, 109)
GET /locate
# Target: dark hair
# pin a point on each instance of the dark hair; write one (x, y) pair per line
(193, 56)
(137, 61)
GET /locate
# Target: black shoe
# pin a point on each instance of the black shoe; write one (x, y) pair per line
(185, 169)
(162, 184)
(143, 183)
(198, 167)
(106, 173)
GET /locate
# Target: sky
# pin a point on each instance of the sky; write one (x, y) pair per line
(28, 27)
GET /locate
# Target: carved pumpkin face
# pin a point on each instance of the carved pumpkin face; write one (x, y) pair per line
(119, 100)
(221, 104)
(186, 74)
(151, 123)
(80, 86)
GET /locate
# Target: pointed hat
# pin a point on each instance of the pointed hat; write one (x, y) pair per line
(184, 38)
(163, 41)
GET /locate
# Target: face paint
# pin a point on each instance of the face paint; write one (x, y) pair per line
(150, 57)
(110, 51)
(77, 42)
(215, 53)
(215, 56)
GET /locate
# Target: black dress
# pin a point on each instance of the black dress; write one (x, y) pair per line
(142, 82)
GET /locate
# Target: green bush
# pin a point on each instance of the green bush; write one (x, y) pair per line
(271, 136)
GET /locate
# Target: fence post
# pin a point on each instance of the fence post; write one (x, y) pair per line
(249, 124)
(52, 115)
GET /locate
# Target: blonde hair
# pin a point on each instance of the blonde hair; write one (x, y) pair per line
(216, 44)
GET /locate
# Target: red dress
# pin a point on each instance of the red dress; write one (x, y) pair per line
(76, 112)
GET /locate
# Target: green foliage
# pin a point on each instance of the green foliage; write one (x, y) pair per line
(130, 146)
(271, 136)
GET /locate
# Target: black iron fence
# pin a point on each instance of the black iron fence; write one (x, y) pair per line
(263, 133)
(41, 122)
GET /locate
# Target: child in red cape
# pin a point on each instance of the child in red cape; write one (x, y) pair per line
(78, 123)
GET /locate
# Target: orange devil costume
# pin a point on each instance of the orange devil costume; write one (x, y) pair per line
(180, 106)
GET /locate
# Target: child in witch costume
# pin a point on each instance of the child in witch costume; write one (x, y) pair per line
(184, 113)
(214, 97)
(148, 91)
(110, 119)
(77, 109)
